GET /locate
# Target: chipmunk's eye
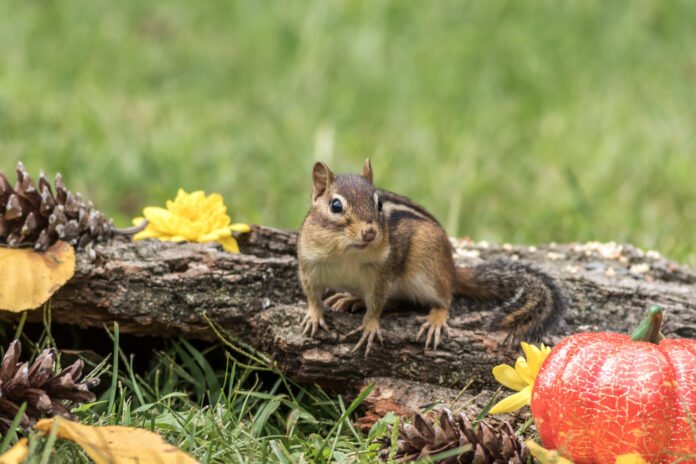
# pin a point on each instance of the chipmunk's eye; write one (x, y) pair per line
(336, 206)
(379, 205)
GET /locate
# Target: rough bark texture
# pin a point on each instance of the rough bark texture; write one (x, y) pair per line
(158, 288)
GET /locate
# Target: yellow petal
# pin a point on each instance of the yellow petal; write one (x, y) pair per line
(215, 235)
(215, 199)
(198, 195)
(513, 402)
(138, 220)
(117, 444)
(508, 377)
(545, 350)
(241, 228)
(230, 244)
(157, 217)
(17, 454)
(545, 456)
(28, 278)
(631, 458)
(524, 371)
(533, 355)
(147, 233)
(181, 196)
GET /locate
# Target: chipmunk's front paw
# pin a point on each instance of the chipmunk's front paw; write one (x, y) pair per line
(370, 329)
(436, 324)
(312, 322)
(344, 301)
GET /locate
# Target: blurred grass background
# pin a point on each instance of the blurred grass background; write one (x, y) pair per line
(512, 121)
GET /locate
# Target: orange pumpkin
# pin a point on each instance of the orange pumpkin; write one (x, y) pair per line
(601, 395)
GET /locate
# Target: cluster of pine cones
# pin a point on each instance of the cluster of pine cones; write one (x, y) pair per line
(44, 391)
(481, 443)
(32, 216)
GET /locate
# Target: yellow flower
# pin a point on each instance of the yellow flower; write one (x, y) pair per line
(192, 217)
(521, 378)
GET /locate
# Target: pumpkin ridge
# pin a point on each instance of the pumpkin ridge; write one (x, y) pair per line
(561, 354)
(677, 406)
(683, 439)
(589, 372)
(569, 407)
(598, 444)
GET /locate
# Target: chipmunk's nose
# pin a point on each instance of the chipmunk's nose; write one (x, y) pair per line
(368, 234)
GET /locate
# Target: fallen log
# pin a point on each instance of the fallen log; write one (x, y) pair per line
(160, 288)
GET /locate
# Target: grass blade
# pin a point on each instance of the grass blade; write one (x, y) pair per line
(114, 371)
(12, 431)
(353, 406)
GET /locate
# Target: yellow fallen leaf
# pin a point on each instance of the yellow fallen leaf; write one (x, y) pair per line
(631, 458)
(544, 455)
(28, 278)
(17, 454)
(117, 444)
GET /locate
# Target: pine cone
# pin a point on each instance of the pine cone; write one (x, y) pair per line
(487, 442)
(44, 391)
(38, 218)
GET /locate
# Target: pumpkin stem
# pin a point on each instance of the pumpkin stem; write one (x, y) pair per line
(649, 328)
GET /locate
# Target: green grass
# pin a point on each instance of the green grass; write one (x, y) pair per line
(247, 412)
(513, 121)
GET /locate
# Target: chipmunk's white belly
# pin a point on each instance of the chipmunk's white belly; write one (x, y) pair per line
(418, 287)
(358, 277)
(346, 274)
(354, 271)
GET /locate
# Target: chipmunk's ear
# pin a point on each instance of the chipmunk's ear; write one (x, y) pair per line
(322, 178)
(367, 170)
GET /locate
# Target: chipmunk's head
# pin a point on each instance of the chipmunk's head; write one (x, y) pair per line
(346, 209)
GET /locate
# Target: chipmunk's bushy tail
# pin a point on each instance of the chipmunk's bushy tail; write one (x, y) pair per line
(532, 302)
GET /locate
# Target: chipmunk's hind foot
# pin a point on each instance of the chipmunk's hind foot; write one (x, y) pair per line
(345, 301)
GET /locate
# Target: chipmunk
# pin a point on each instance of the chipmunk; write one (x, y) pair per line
(379, 246)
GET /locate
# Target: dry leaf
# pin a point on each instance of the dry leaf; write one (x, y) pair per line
(28, 278)
(117, 444)
(631, 458)
(377, 404)
(544, 455)
(17, 454)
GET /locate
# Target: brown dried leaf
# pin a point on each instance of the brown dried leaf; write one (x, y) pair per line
(117, 444)
(28, 278)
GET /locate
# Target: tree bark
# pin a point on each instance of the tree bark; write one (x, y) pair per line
(160, 288)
